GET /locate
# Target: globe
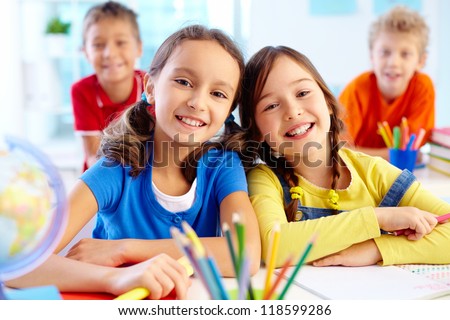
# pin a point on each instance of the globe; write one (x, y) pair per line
(32, 208)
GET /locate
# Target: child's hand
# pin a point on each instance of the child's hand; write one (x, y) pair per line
(160, 275)
(360, 254)
(418, 221)
(97, 251)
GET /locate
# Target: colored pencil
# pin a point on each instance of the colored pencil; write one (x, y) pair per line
(271, 256)
(404, 133)
(409, 145)
(244, 278)
(283, 271)
(397, 137)
(190, 233)
(240, 231)
(419, 138)
(186, 246)
(388, 130)
(226, 231)
(382, 132)
(218, 279)
(297, 267)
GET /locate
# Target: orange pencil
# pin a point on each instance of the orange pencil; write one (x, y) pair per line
(404, 133)
(284, 268)
(272, 255)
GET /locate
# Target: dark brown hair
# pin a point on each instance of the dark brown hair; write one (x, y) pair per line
(127, 139)
(108, 10)
(255, 77)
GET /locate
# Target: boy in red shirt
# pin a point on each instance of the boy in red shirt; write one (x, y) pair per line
(395, 88)
(112, 44)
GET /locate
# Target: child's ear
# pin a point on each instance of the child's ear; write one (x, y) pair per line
(422, 61)
(149, 89)
(83, 49)
(140, 50)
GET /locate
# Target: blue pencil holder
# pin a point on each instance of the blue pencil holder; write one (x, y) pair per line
(403, 159)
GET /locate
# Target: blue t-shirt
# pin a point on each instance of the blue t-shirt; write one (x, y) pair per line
(127, 207)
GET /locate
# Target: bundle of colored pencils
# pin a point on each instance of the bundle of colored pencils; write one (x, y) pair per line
(203, 264)
(269, 288)
(206, 269)
(399, 137)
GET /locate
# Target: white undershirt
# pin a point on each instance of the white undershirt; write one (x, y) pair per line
(176, 203)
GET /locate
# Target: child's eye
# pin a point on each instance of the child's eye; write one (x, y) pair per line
(406, 54)
(121, 43)
(270, 107)
(302, 93)
(183, 82)
(98, 46)
(219, 94)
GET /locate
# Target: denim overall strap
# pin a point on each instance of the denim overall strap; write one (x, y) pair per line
(398, 189)
(307, 213)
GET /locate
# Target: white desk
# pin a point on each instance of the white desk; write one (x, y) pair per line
(436, 182)
(198, 292)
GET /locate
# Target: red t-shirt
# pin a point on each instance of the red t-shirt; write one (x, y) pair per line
(365, 107)
(93, 110)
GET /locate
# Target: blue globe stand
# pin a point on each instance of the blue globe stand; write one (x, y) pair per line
(17, 267)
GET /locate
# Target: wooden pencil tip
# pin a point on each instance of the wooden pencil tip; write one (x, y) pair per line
(225, 227)
(236, 218)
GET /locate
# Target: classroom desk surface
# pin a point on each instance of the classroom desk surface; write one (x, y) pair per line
(434, 181)
(198, 292)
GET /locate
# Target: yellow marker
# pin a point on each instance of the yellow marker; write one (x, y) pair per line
(135, 294)
(142, 293)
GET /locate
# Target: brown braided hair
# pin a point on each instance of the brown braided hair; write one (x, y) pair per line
(255, 77)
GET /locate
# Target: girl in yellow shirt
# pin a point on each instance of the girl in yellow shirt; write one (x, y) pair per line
(310, 184)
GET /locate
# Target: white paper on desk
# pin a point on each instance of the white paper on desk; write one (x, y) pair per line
(371, 282)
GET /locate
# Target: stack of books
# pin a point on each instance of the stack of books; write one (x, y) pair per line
(440, 150)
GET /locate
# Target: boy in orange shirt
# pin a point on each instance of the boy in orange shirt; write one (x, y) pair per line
(395, 88)
(112, 45)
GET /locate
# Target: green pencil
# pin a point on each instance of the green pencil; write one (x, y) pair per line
(297, 267)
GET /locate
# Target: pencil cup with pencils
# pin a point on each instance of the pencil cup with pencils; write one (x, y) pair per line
(403, 146)
(403, 159)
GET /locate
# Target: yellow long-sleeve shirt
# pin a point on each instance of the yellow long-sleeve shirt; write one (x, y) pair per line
(371, 178)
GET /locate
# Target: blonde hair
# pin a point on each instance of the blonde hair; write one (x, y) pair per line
(403, 20)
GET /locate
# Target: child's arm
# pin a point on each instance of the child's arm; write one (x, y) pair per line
(239, 202)
(118, 252)
(82, 206)
(160, 275)
(91, 145)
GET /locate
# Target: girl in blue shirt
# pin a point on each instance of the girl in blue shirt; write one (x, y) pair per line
(158, 167)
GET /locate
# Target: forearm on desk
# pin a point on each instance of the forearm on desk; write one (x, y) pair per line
(136, 250)
(431, 249)
(66, 274)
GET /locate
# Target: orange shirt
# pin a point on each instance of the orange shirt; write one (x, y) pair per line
(365, 107)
